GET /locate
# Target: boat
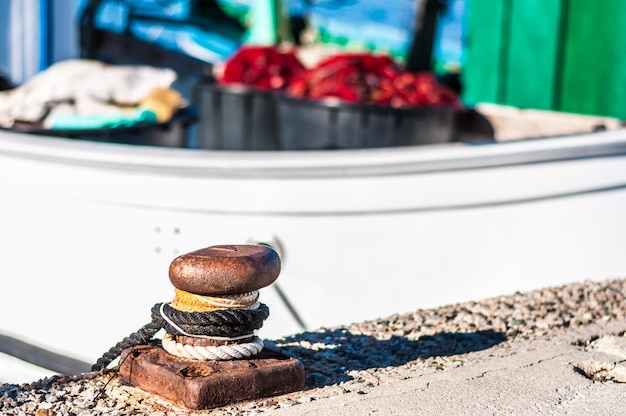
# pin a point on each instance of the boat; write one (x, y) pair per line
(89, 229)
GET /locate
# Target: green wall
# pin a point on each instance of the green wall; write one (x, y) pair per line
(565, 55)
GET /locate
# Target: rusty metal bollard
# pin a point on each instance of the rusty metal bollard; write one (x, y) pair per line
(202, 366)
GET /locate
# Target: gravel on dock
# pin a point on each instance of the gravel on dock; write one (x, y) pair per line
(357, 357)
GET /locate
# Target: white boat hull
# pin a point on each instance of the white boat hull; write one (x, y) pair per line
(89, 229)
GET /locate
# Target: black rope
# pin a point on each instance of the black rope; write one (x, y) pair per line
(142, 336)
(219, 323)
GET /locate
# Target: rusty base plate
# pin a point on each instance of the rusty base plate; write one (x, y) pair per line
(209, 384)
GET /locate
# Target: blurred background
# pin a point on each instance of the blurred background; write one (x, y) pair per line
(37, 33)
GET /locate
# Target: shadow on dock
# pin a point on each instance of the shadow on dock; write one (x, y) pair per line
(330, 356)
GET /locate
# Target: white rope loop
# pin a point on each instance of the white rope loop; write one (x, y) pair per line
(206, 353)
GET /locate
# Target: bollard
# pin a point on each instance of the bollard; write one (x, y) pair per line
(210, 355)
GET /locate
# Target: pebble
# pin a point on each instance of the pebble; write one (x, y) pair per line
(225, 269)
(360, 356)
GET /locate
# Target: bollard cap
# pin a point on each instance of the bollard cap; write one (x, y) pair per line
(225, 269)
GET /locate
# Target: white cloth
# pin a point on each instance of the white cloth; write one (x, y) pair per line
(89, 85)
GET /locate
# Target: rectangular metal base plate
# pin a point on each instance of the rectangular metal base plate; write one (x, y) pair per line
(209, 384)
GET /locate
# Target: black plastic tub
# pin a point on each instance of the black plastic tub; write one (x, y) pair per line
(318, 125)
(241, 118)
(235, 118)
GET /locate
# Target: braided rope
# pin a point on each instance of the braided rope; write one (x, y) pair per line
(227, 323)
(181, 331)
(218, 323)
(142, 336)
(205, 353)
(190, 302)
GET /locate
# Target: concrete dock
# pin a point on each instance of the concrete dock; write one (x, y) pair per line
(556, 351)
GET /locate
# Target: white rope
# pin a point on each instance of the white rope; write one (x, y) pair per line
(212, 337)
(205, 353)
(248, 300)
(239, 301)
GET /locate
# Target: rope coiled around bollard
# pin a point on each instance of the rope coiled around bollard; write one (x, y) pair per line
(218, 323)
